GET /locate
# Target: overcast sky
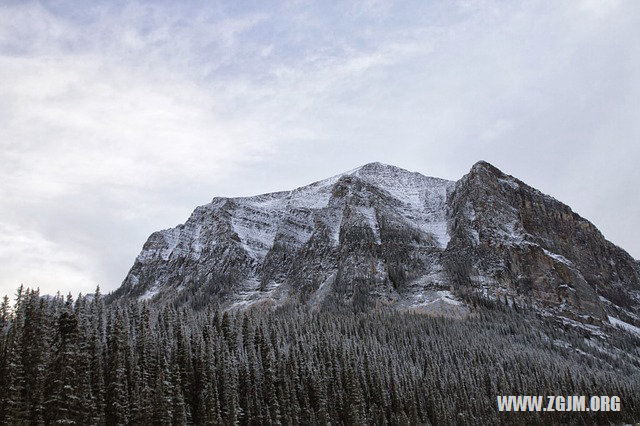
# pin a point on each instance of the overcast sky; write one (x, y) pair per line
(119, 118)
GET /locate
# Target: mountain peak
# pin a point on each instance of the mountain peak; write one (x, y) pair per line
(376, 165)
(380, 173)
(486, 166)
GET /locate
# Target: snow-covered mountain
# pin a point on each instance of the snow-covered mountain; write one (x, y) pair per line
(380, 235)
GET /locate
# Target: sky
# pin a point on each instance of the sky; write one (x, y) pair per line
(117, 119)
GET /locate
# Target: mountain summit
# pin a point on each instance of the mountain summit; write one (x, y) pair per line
(380, 235)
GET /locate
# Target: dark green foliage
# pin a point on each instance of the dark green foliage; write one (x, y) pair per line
(84, 363)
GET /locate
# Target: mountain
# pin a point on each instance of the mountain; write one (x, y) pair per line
(383, 236)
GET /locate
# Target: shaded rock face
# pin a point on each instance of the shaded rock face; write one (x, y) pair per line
(510, 240)
(380, 235)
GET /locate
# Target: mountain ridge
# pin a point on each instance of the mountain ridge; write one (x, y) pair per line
(379, 235)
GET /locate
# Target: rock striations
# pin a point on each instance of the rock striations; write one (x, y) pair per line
(380, 235)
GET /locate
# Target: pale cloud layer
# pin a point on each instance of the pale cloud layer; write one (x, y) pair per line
(117, 119)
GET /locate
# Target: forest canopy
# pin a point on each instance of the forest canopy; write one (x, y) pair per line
(81, 361)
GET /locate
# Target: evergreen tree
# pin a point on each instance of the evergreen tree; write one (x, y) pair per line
(84, 362)
(117, 390)
(63, 400)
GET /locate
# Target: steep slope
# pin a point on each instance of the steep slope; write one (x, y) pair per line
(380, 235)
(510, 240)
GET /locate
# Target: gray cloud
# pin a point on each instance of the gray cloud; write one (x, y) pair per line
(116, 121)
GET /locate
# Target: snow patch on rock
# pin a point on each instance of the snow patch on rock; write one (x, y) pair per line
(150, 293)
(557, 257)
(369, 215)
(624, 325)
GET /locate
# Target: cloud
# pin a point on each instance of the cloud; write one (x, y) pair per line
(89, 138)
(28, 257)
(117, 119)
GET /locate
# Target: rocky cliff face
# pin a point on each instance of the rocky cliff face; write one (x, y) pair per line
(509, 240)
(380, 235)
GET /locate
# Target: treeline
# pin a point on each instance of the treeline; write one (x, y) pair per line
(66, 361)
